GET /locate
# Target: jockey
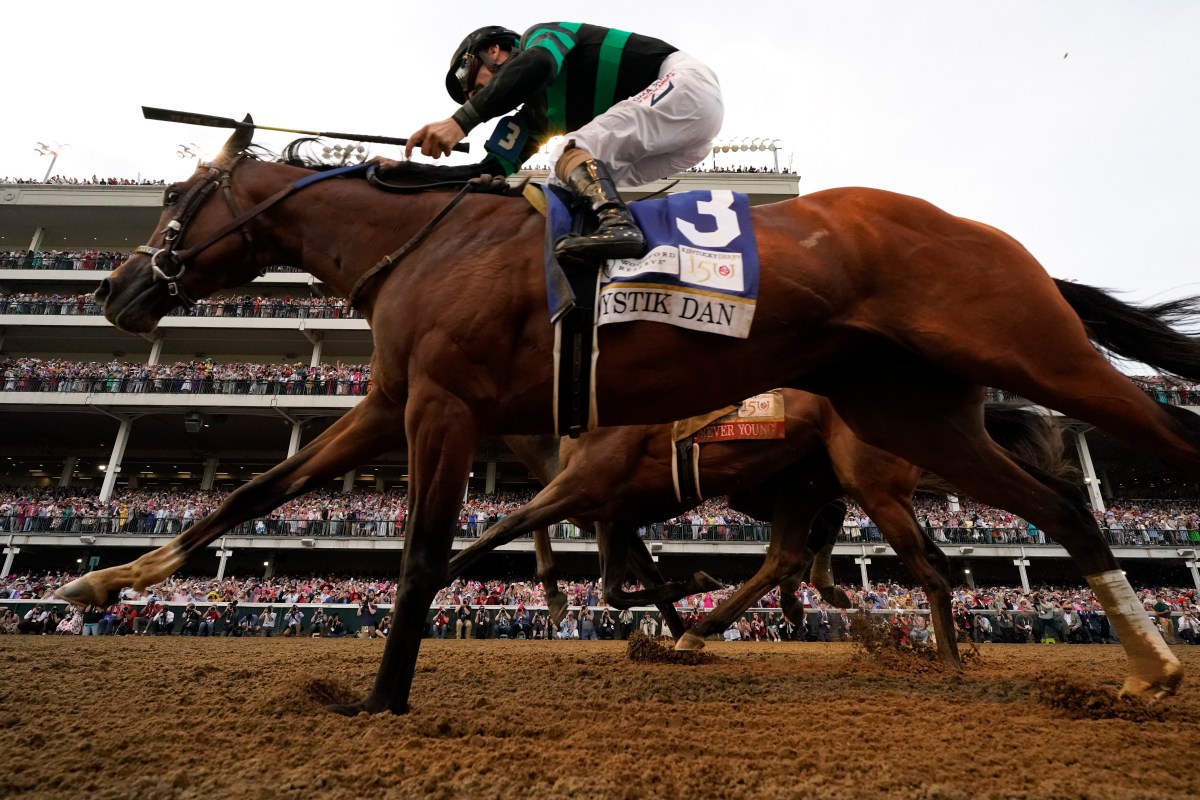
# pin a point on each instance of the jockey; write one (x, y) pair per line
(632, 109)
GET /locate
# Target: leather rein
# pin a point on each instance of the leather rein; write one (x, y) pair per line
(168, 255)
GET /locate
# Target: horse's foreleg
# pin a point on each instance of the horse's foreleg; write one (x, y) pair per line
(641, 564)
(362, 433)
(554, 503)
(442, 436)
(787, 554)
(547, 573)
(623, 551)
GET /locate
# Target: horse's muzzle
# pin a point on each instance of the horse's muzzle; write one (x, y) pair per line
(102, 291)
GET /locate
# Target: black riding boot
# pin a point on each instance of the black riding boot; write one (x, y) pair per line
(617, 235)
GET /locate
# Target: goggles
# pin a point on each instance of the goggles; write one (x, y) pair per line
(468, 70)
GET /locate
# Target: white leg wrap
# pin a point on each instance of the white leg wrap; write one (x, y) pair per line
(1150, 659)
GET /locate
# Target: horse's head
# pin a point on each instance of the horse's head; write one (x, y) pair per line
(194, 253)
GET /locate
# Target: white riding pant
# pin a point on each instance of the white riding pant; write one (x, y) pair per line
(667, 128)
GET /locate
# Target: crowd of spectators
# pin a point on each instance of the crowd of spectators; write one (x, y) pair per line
(33, 374)
(61, 259)
(182, 377)
(534, 166)
(95, 180)
(238, 306)
(77, 260)
(318, 513)
(770, 170)
(336, 605)
(1146, 523)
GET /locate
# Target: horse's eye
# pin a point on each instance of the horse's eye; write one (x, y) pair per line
(170, 196)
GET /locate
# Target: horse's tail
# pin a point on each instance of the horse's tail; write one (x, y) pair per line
(1034, 438)
(1139, 333)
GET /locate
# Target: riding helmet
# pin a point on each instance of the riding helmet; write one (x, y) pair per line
(480, 39)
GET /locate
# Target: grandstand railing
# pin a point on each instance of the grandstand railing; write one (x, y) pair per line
(661, 532)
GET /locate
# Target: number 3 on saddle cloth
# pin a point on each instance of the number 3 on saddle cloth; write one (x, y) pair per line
(700, 272)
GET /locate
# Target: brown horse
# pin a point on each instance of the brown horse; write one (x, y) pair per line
(614, 479)
(890, 307)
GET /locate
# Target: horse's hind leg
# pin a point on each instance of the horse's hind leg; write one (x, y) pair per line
(369, 428)
(826, 528)
(925, 560)
(883, 485)
(940, 427)
(547, 572)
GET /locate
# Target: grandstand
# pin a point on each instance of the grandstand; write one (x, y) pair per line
(221, 394)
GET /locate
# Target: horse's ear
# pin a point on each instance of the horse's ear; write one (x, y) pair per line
(241, 137)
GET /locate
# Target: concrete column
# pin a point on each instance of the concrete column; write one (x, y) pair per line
(317, 340)
(269, 568)
(210, 474)
(155, 350)
(1091, 481)
(10, 553)
(1021, 563)
(1192, 565)
(348, 481)
(39, 236)
(862, 566)
(294, 442)
(379, 483)
(224, 555)
(952, 502)
(64, 480)
(114, 460)
(490, 484)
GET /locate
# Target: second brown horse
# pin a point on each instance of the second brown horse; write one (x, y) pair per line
(614, 480)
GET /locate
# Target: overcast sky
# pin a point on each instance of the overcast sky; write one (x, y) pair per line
(1070, 124)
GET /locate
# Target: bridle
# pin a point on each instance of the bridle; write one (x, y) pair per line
(222, 178)
(167, 256)
(173, 232)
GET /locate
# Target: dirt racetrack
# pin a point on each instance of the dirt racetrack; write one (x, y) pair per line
(243, 718)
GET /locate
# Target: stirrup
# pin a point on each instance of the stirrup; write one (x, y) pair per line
(624, 242)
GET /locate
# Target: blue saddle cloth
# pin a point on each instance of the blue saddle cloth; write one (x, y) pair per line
(700, 271)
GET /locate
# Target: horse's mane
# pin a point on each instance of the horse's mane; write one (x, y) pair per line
(303, 152)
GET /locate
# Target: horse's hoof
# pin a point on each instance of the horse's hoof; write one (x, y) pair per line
(364, 706)
(707, 583)
(951, 661)
(556, 605)
(835, 595)
(85, 591)
(1153, 691)
(690, 641)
